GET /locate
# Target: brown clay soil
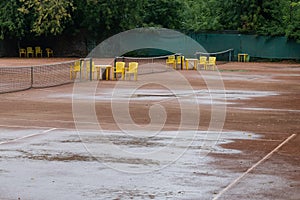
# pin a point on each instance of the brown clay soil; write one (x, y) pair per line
(274, 117)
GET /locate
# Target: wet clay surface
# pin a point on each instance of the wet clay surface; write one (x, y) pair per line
(262, 109)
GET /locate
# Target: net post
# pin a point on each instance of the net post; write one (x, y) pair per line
(80, 64)
(91, 68)
(175, 65)
(181, 62)
(31, 72)
(114, 68)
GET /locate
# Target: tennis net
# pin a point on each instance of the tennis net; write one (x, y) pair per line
(14, 79)
(148, 65)
(222, 57)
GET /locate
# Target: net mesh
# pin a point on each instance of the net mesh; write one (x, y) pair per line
(51, 75)
(222, 57)
(21, 78)
(14, 79)
(147, 65)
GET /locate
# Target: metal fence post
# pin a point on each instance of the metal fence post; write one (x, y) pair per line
(91, 68)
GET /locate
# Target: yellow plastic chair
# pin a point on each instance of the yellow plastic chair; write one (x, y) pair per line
(88, 69)
(22, 52)
(132, 69)
(38, 51)
(203, 61)
(171, 61)
(74, 69)
(120, 69)
(212, 62)
(29, 51)
(49, 52)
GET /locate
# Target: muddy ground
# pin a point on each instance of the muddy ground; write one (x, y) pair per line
(171, 135)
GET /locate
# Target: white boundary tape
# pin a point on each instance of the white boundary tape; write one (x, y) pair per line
(27, 136)
(254, 166)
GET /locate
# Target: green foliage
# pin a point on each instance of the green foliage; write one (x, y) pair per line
(11, 21)
(201, 16)
(270, 20)
(164, 13)
(293, 21)
(102, 18)
(262, 17)
(48, 16)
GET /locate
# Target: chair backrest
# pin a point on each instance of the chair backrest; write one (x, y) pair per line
(212, 60)
(203, 59)
(22, 50)
(49, 50)
(133, 66)
(120, 66)
(29, 49)
(172, 57)
(38, 49)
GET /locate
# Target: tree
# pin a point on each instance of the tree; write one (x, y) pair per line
(293, 21)
(103, 18)
(271, 17)
(48, 16)
(12, 22)
(263, 17)
(100, 19)
(164, 13)
(200, 16)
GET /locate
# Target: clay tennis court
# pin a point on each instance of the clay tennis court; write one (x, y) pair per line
(47, 151)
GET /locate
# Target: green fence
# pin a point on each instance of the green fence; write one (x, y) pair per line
(255, 46)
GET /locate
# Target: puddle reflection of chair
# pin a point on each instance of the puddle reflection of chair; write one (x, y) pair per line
(120, 69)
(29, 51)
(38, 51)
(22, 52)
(132, 69)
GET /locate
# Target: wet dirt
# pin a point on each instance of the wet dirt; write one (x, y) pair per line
(262, 106)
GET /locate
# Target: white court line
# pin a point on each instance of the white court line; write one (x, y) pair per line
(75, 129)
(27, 136)
(38, 120)
(254, 166)
(32, 127)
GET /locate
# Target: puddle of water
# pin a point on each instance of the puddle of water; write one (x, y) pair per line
(240, 77)
(55, 166)
(194, 96)
(10, 134)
